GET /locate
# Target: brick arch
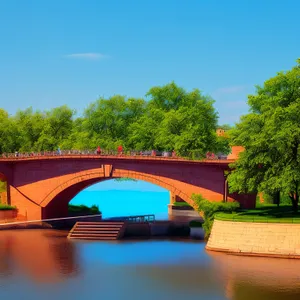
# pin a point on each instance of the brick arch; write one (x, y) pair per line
(55, 203)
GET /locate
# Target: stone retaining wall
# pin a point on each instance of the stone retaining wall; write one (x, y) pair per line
(259, 239)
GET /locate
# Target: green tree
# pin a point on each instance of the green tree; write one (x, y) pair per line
(142, 134)
(270, 134)
(29, 125)
(57, 126)
(107, 121)
(226, 127)
(9, 134)
(190, 120)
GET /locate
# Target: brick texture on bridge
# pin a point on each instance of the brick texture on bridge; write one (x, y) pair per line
(43, 187)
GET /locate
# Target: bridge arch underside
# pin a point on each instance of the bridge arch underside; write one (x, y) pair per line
(55, 205)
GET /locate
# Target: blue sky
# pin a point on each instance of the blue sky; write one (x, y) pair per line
(56, 52)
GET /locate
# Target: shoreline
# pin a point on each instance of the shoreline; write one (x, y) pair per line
(162, 229)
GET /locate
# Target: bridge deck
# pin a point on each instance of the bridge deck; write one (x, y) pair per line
(120, 157)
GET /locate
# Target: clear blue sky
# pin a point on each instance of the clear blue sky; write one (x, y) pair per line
(56, 52)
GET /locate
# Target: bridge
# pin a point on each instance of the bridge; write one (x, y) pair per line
(41, 186)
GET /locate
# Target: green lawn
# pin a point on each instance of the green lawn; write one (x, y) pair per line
(264, 214)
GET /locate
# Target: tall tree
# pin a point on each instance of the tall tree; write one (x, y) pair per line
(29, 125)
(57, 127)
(108, 120)
(142, 134)
(9, 134)
(190, 119)
(270, 134)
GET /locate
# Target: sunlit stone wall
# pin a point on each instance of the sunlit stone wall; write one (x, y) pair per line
(265, 239)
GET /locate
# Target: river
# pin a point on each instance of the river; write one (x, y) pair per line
(44, 264)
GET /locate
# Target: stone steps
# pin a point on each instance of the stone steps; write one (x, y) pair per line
(97, 231)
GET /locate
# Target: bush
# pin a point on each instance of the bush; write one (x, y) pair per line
(7, 207)
(209, 210)
(84, 209)
(125, 179)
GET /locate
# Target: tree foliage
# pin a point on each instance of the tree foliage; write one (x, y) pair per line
(171, 119)
(270, 134)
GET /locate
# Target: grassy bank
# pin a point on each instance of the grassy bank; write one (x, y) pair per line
(269, 213)
(94, 209)
(181, 204)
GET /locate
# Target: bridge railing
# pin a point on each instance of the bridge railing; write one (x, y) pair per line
(188, 155)
(136, 219)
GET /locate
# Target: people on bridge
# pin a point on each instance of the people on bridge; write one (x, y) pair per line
(58, 151)
(120, 149)
(98, 150)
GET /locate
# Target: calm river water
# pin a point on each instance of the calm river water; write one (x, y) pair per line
(44, 264)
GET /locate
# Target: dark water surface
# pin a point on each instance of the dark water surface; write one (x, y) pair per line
(43, 264)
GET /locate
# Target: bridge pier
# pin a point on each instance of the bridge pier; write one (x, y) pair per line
(26, 207)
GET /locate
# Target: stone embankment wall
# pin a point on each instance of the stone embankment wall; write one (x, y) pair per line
(258, 239)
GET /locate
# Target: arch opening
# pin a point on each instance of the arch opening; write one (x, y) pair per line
(55, 204)
(118, 198)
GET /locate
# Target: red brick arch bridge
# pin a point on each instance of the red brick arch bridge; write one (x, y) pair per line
(41, 187)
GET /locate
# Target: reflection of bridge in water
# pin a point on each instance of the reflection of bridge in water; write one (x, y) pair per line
(42, 254)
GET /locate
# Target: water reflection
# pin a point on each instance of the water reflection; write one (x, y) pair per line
(43, 255)
(257, 277)
(44, 263)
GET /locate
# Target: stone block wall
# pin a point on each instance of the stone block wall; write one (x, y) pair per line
(261, 239)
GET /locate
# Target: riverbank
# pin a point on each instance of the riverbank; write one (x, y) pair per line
(133, 230)
(255, 239)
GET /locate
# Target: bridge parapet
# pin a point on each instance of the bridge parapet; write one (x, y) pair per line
(108, 154)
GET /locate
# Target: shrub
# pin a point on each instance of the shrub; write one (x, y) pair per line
(209, 210)
(83, 209)
(7, 207)
(125, 179)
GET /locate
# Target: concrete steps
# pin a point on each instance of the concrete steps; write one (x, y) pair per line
(97, 231)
